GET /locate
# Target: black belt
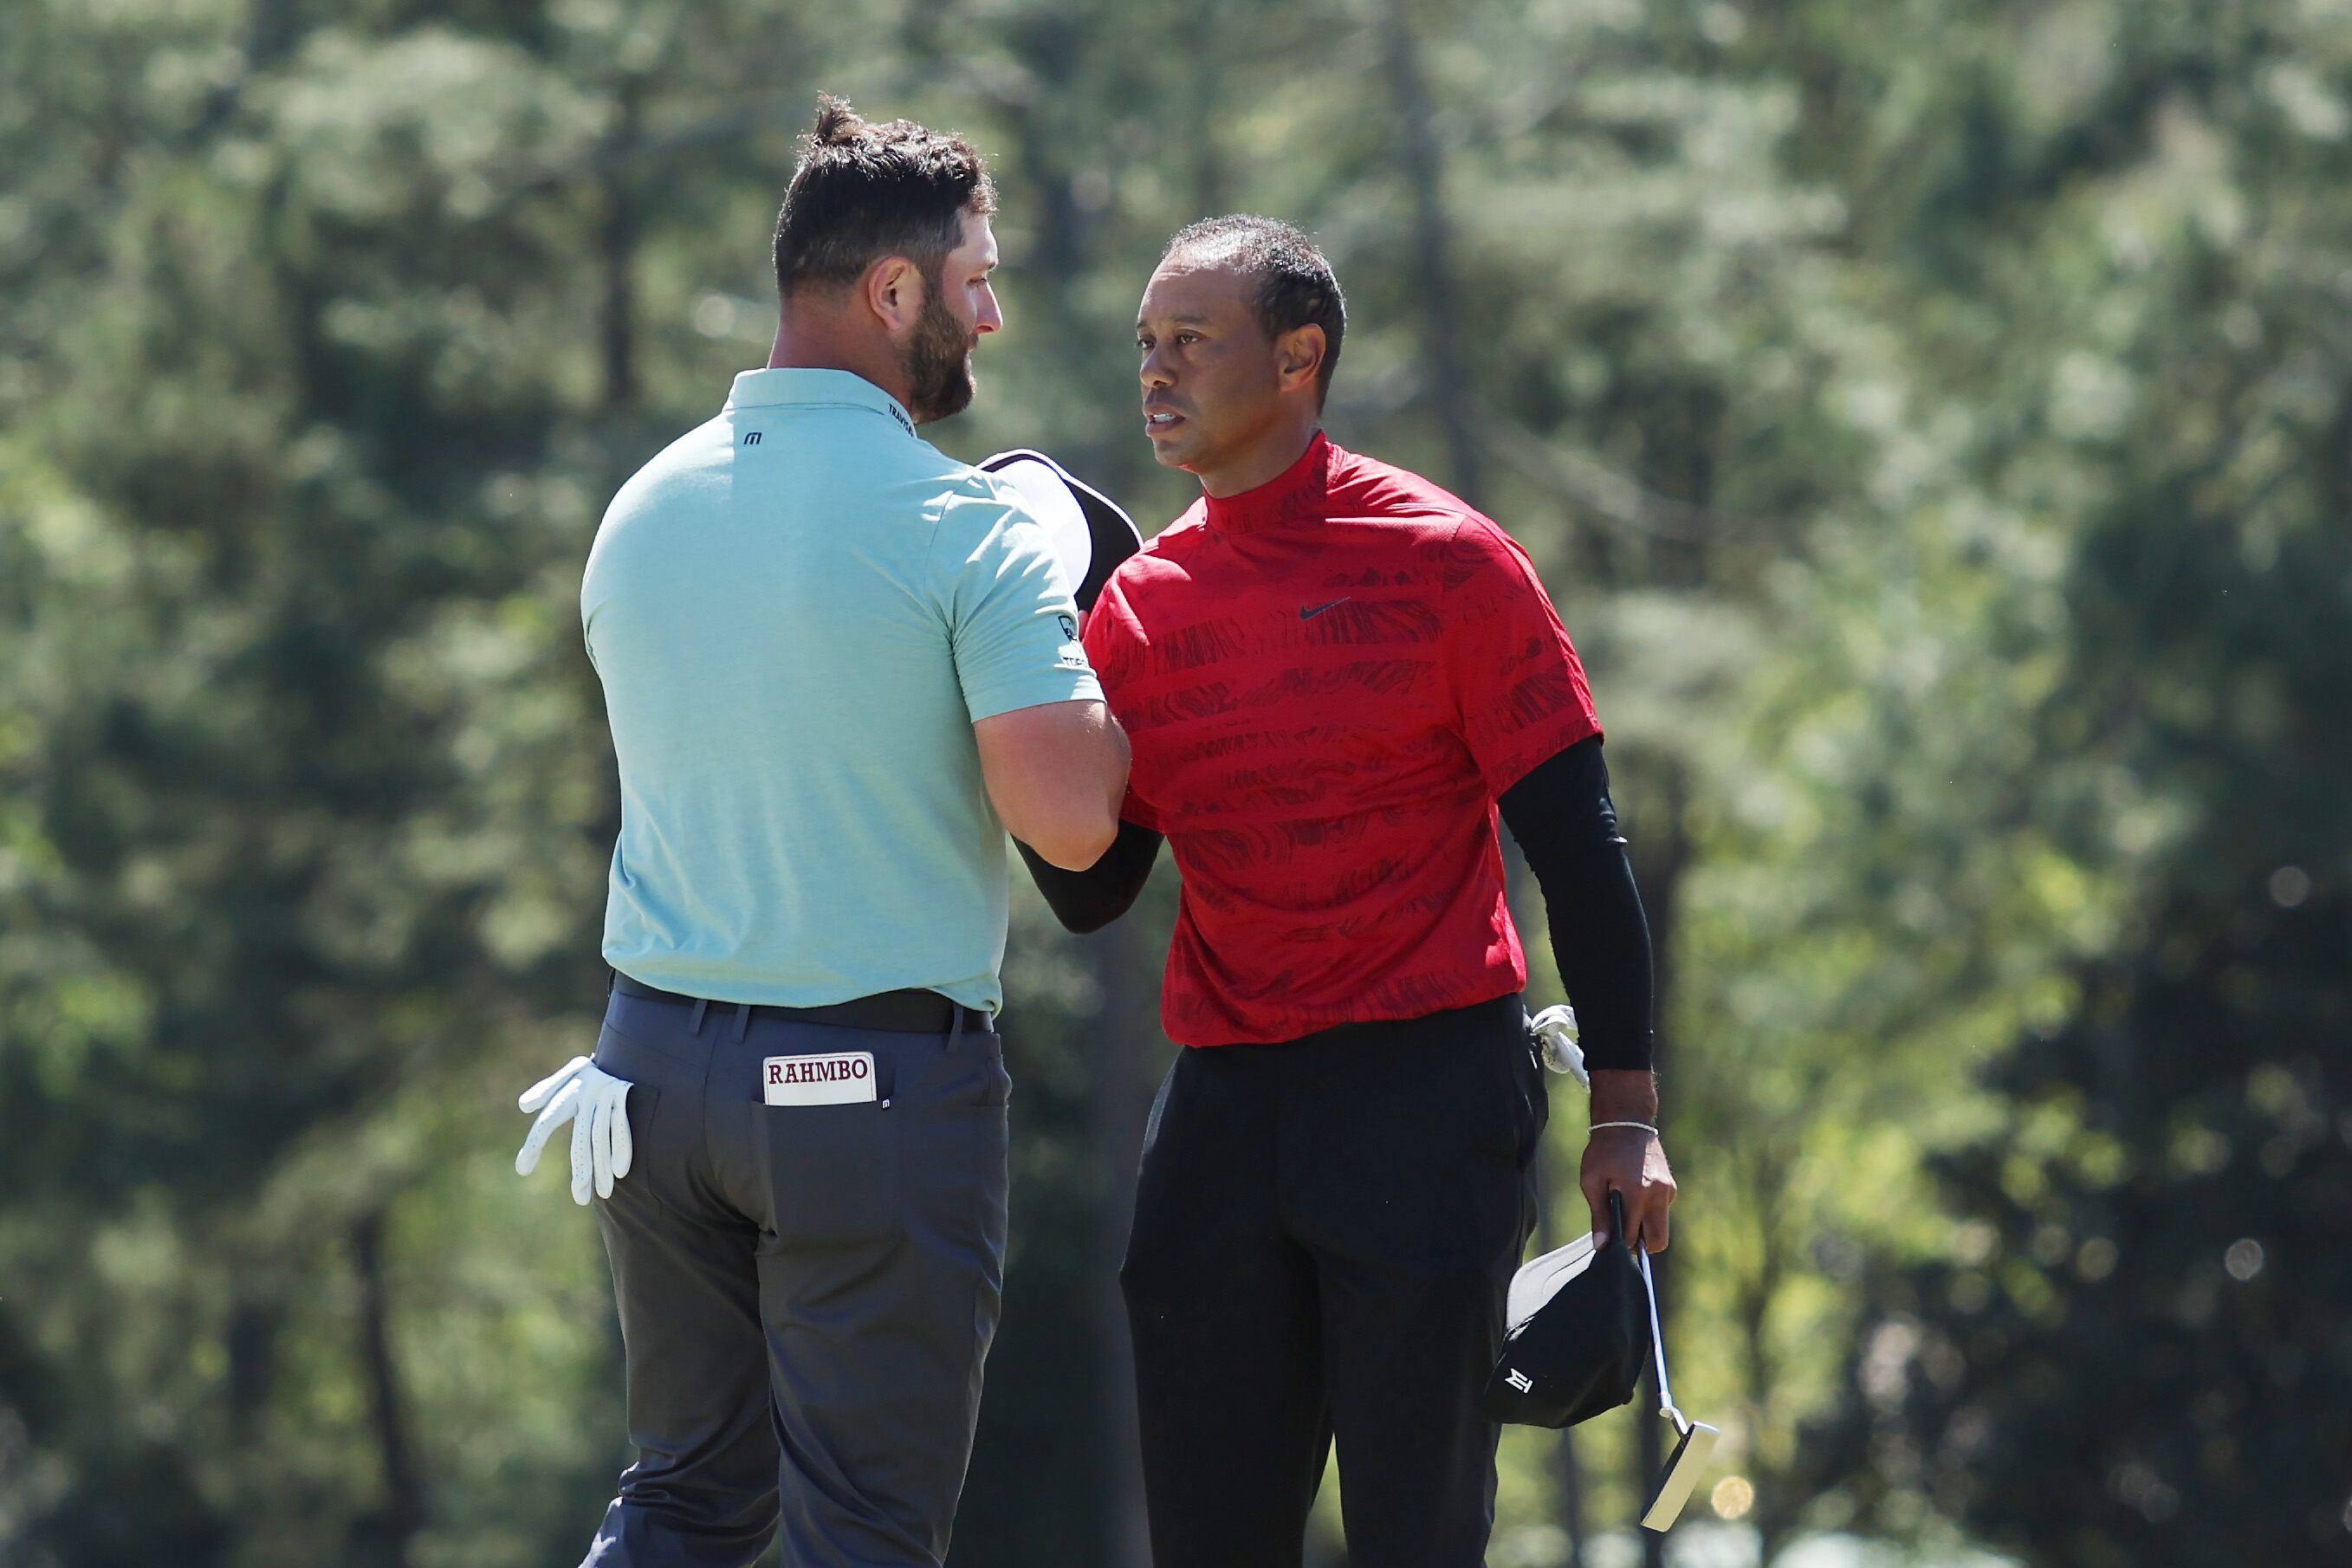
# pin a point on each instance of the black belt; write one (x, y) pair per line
(895, 1012)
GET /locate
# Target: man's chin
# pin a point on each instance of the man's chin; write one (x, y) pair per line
(946, 402)
(1171, 451)
(947, 405)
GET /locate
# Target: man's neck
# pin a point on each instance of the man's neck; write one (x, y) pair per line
(1264, 461)
(816, 345)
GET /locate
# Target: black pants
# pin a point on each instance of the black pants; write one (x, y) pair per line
(1324, 1233)
(806, 1292)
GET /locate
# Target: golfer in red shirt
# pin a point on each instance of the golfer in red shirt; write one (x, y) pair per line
(1333, 674)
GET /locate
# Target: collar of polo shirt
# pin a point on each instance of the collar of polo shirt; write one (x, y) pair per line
(814, 389)
(1297, 494)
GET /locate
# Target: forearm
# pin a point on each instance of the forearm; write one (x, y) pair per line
(1091, 899)
(1056, 774)
(1600, 940)
(1567, 827)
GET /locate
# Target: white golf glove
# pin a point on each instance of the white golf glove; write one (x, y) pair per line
(1554, 1031)
(593, 1101)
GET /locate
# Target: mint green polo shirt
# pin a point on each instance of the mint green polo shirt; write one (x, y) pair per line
(798, 611)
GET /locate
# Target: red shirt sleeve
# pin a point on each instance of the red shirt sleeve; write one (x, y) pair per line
(1115, 646)
(1519, 691)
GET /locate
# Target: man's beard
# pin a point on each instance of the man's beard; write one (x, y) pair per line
(938, 362)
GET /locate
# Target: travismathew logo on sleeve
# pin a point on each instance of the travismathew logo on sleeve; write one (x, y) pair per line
(1074, 652)
(843, 1077)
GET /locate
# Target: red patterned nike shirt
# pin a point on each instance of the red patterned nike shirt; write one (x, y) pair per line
(1327, 681)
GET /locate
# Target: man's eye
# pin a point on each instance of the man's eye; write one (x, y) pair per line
(1143, 343)
(1188, 337)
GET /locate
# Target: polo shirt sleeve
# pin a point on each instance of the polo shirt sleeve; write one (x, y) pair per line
(1519, 691)
(1012, 624)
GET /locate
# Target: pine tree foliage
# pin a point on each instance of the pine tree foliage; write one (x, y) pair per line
(1930, 418)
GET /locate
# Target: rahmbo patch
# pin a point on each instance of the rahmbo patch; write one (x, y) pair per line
(843, 1077)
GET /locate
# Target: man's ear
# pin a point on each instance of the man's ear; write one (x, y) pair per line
(1298, 356)
(893, 289)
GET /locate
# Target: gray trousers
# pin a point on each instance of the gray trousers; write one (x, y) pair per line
(806, 1292)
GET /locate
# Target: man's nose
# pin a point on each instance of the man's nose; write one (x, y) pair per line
(992, 318)
(1155, 371)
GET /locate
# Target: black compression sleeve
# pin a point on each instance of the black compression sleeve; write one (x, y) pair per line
(1566, 826)
(1090, 899)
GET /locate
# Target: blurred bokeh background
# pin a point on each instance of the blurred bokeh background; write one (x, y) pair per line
(1933, 419)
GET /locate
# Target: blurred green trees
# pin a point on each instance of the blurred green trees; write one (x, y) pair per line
(1931, 420)
(2135, 1347)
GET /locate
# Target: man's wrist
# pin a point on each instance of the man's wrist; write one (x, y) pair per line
(1624, 1094)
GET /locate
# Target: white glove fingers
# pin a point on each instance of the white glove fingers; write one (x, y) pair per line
(625, 1143)
(584, 1157)
(596, 1103)
(559, 1110)
(538, 1094)
(600, 1142)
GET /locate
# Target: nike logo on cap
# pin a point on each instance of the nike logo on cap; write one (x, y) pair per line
(1309, 612)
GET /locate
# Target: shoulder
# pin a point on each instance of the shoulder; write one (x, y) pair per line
(1366, 487)
(968, 508)
(1456, 543)
(1168, 555)
(957, 484)
(962, 480)
(1477, 548)
(1466, 540)
(700, 448)
(673, 485)
(1145, 579)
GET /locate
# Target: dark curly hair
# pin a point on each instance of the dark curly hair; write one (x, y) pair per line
(1294, 284)
(864, 190)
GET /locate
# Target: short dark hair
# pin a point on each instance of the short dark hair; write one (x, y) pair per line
(1296, 286)
(864, 192)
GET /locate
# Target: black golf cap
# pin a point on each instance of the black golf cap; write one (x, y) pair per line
(1578, 1334)
(1090, 532)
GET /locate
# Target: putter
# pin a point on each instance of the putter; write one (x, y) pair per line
(1692, 1449)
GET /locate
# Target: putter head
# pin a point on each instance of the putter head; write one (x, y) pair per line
(1680, 1475)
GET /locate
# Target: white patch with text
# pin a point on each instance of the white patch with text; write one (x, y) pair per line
(842, 1078)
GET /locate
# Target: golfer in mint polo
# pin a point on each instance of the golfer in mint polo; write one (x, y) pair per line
(838, 666)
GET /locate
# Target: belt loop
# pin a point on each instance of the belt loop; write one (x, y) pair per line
(955, 1025)
(742, 1021)
(701, 1005)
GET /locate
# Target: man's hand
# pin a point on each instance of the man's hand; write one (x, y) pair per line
(1627, 1159)
(596, 1103)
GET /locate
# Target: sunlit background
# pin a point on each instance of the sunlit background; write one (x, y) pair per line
(1932, 417)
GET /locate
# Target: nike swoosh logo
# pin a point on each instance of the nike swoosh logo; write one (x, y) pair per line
(1308, 613)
